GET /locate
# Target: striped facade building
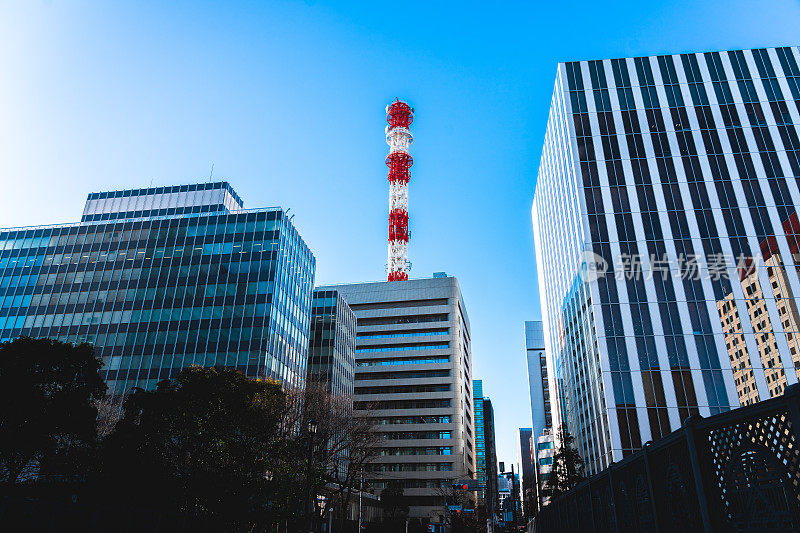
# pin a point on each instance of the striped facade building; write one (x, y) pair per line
(667, 241)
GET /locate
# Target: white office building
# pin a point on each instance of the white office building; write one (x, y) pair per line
(667, 242)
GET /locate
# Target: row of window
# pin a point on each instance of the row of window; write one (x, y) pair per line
(416, 319)
(108, 259)
(151, 316)
(365, 376)
(242, 232)
(435, 450)
(402, 361)
(413, 347)
(404, 389)
(413, 483)
(410, 467)
(433, 419)
(414, 435)
(402, 334)
(400, 404)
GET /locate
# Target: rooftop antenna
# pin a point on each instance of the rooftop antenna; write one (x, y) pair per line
(212, 173)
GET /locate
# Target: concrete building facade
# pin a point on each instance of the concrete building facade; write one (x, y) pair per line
(414, 375)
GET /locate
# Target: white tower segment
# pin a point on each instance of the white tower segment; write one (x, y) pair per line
(399, 116)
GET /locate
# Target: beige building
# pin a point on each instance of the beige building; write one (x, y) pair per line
(764, 331)
(414, 368)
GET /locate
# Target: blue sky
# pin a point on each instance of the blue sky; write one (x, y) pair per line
(286, 100)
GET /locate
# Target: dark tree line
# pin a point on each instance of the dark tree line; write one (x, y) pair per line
(209, 444)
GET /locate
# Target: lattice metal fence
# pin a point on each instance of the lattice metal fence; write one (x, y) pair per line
(738, 471)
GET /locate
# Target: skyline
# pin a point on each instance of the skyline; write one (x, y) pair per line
(289, 98)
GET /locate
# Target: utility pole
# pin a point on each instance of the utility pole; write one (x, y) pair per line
(360, 496)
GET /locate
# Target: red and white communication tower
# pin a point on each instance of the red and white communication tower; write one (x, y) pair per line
(399, 115)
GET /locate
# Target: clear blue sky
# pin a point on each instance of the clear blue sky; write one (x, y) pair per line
(286, 99)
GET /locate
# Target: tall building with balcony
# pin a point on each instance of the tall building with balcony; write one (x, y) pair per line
(414, 378)
(161, 278)
(332, 343)
(666, 231)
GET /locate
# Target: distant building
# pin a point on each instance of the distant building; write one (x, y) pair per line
(509, 496)
(545, 449)
(540, 398)
(489, 433)
(414, 371)
(162, 278)
(668, 241)
(537, 378)
(332, 344)
(485, 450)
(527, 488)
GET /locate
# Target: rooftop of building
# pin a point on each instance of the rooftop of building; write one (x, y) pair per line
(381, 291)
(677, 53)
(195, 206)
(169, 189)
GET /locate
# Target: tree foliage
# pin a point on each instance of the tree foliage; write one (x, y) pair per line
(568, 468)
(49, 391)
(209, 443)
(395, 508)
(348, 444)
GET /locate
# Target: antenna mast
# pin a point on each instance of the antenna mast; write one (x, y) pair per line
(399, 115)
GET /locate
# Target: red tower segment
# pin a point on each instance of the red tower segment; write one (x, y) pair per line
(399, 115)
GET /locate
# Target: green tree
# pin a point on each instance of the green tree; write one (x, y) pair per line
(49, 392)
(210, 443)
(395, 507)
(568, 468)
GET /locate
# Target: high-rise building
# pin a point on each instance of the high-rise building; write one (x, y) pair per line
(666, 233)
(480, 440)
(537, 377)
(485, 449)
(490, 440)
(332, 344)
(540, 399)
(527, 486)
(161, 278)
(414, 377)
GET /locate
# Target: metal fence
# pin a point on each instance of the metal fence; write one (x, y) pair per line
(737, 471)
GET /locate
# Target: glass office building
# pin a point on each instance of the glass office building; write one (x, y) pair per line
(667, 241)
(332, 349)
(480, 440)
(162, 278)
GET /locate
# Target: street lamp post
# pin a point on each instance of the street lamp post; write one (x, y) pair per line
(309, 502)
